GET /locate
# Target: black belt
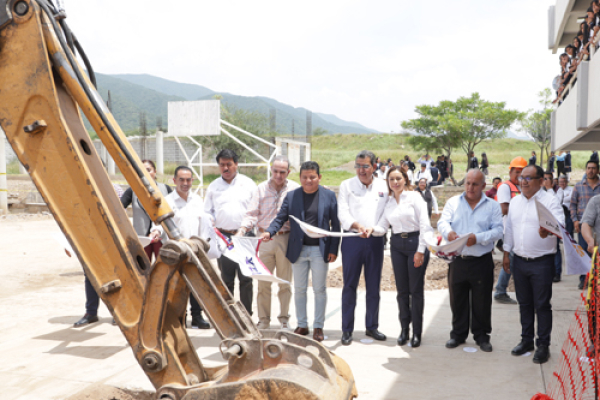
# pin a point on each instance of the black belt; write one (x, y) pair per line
(532, 259)
(405, 235)
(474, 257)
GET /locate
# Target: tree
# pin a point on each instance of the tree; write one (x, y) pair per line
(318, 131)
(464, 123)
(537, 124)
(478, 120)
(433, 132)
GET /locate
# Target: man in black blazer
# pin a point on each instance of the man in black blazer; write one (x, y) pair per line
(316, 206)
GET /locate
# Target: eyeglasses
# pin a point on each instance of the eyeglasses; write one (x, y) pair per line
(527, 178)
(363, 166)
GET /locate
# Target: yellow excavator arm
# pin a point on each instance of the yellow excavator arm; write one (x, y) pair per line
(42, 90)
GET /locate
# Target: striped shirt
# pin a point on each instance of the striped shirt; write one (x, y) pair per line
(265, 203)
(580, 198)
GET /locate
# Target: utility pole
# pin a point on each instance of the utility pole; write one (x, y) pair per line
(160, 162)
(143, 134)
(308, 126)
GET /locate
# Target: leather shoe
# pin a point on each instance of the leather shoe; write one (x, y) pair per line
(86, 319)
(403, 338)
(541, 355)
(485, 346)
(301, 331)
(318, 335)
(453, 343)
(522, 348)
(556, 278)
(346, 338)
(200, 323)
(415, 341)
(375, 334)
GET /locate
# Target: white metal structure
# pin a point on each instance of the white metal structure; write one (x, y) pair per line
(202, 118)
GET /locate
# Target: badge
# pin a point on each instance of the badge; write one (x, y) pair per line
(380, 194)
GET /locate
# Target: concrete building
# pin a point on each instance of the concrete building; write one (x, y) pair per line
(576, 121)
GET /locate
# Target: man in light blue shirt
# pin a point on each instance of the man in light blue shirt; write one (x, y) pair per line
(471, 275)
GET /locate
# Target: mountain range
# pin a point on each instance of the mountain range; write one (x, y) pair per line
(134, 94)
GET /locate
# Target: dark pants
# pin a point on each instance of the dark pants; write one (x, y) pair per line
(153, 248)
(229, 269)
(470, 282)
(357, 252)
(533, 284)
(410, 282)
(91, 299)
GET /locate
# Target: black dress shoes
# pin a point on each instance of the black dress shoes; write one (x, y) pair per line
(346, 338)
(485, 346)
(522, 348)
(453, 343)
(375, 334)
(403, 338)
(200, 323)
(415, 341)
(86, 319)
(541, 355)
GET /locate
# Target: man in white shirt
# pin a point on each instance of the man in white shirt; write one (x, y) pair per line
(191, 220)
(471, 275)
(563, 183)
(265, 204)
(533, 267)
(506, 191)
(227, 199)
(361, 202)
(426, 159)
(424, 173)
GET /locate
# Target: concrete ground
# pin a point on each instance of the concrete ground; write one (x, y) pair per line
(43, 357)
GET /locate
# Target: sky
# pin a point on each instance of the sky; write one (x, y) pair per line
(370, 62)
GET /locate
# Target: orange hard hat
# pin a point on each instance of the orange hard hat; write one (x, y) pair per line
(518, 162)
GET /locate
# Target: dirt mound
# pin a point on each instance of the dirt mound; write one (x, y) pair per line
(436, 276)
(105, 392)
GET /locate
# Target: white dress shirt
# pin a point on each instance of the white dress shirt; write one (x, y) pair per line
(361, 203)
(228, 202)
(191, 220)
(407, 215)
(411, 177)
(485, 221)
(522, 225)
(567, 193)
(424, 174)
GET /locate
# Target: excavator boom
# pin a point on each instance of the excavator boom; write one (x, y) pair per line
(42, 90)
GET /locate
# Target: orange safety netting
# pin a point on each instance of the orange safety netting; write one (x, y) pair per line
(576, 376)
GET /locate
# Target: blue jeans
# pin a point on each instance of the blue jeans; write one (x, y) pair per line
(310, 260)
(504, 277)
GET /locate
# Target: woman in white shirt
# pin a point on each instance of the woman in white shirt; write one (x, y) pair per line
(409, 173)
(406, 212)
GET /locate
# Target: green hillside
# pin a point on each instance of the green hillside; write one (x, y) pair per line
(284, 113)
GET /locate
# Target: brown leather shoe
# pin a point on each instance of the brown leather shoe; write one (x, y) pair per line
(301, 331)
(318, 335)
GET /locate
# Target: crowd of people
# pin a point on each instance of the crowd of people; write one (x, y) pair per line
(381, 197)
(578, 50)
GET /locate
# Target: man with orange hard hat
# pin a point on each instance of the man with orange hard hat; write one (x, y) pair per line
(506, 191)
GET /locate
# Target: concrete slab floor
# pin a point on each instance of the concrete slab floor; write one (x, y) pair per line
(43, 357)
